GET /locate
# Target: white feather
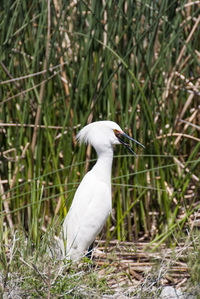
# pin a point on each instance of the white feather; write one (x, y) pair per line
(92, 203)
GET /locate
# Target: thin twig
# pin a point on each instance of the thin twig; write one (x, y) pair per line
(63, 76)
(6, 207)
(13, 80)
(186, 126)
(38, 113)
(178, 134)
(30, 126)
(166, 93)
(7, 197)
(190, 124)
(186, 169)
(29, 89)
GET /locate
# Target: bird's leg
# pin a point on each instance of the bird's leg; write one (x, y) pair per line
(90, 249)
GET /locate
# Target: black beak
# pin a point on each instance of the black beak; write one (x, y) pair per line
(120, 137)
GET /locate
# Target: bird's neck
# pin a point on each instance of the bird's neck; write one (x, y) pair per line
(103, 166)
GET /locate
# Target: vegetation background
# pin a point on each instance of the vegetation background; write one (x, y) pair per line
(64, 64)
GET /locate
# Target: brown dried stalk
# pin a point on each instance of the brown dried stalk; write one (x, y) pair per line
(37, 119)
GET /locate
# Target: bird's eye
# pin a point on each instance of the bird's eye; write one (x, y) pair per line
(116, 132)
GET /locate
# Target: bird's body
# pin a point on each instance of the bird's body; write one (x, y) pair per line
(92, 202)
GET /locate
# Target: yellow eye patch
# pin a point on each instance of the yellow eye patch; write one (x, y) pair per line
(116, 131)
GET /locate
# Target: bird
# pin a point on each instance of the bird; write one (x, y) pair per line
(92, 202)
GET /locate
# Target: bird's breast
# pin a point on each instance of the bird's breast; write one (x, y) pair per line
(92, 199)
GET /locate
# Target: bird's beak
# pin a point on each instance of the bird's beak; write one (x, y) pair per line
(121, 135)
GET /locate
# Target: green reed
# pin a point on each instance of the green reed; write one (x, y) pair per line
(134, 62)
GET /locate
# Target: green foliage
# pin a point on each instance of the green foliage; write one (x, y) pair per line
(64, 64)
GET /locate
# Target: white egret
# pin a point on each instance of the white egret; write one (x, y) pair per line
(92, 202)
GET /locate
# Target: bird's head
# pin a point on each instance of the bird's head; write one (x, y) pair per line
(103, 135)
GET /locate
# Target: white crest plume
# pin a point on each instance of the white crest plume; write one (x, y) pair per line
(87, 134)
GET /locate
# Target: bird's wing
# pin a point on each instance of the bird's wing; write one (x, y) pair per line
(89, 191)
(89, 210)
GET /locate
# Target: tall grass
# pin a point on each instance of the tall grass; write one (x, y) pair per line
(64, 64)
